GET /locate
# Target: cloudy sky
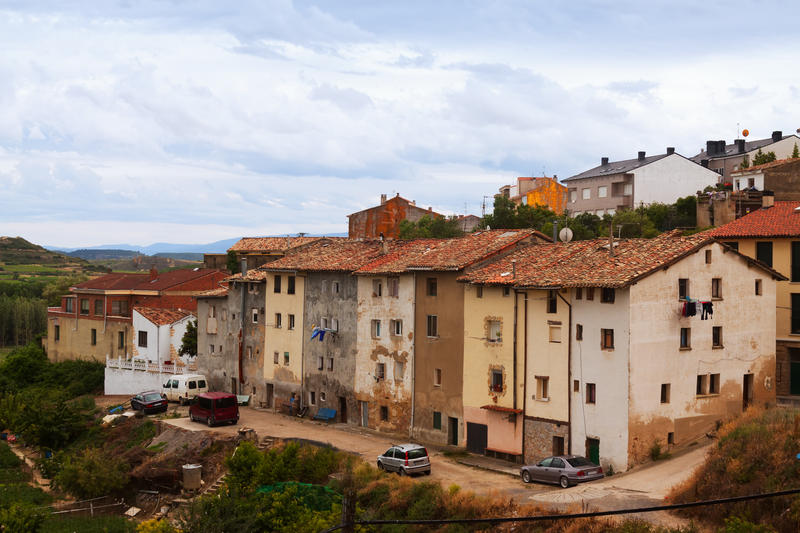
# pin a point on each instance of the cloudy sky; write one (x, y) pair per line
(192, 121)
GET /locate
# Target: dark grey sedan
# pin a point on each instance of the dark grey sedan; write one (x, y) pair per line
(564, 470)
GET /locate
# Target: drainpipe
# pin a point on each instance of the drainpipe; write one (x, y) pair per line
(524, 365)
(514, 367)
(413, 353)
(569, 374)
(105, 312)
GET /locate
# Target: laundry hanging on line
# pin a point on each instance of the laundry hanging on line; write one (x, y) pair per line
(691, 306)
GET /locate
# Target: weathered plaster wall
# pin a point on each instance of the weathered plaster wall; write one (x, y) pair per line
(75, 340)
(253, 350)
(285, 378)
(748, 339)
(396, 352)
(163, 342)
(218, 322)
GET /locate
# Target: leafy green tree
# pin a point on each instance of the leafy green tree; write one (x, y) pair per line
(232, 263)
(59, 287)
(760, 158)
(21, 518)
(795, 152)
(428, 227)
(91, 473)
(189, 339)
(508, 215)
(745, 162)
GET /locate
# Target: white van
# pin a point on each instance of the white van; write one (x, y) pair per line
(182, 388)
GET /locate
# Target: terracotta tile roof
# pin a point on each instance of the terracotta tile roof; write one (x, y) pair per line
(114, 282)
(271, 244)
(447, 254)
(771, 164)
(163, 280)
(213, 293)
(780, 220)
(587, 263)
(333, 256)
(162, 317)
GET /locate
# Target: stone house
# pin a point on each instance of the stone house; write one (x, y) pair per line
(384, 220)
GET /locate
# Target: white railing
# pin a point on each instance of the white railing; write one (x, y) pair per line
(146, 366)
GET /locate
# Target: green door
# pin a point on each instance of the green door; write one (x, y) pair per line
(794, 378)
(593, 450)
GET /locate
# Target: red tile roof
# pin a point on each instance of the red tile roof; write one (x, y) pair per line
(142, 282)
(271, 244)
(162, 317)
(771, 164)
(447, 254)
(780, 220)
(588, 263)
(333, 256)
(213, 293)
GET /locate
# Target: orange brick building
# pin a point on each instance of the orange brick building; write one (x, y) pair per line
(385, 218)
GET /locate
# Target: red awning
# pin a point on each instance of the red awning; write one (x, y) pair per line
(501, 409)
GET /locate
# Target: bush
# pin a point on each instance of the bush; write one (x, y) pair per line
(18, 518)
(91, 473)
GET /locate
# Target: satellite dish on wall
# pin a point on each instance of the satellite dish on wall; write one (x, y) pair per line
(745, 133)
(565, 234)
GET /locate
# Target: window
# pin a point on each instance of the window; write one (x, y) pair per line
(573, 196)
(285, 358)
(578, 332)
(120, 339)
(249, 352)
(671, 437)
(716, 336)
(98, 307)
(576, 385)
(665, 390)
(764, 252)
(708, 257)
(713, 383)
(276, 280)
(335, 287)
(437, 377)
(143, 339)
(683, 288)
(758, 287)
(607, 339)
(56, 332)
(602, 191)
(497, 381)
(380, 371)
(506, 291)
(494, 331)
(734, 245)
(607, 295)
(335, 324)
(397, 327)
(542, 388)
(330, 363)
(322, 396)
(290, 285)
(254, 312)
(393, 284)
(586, 194)
(591, 393)
(686, 338)
(278, 320)
(627, 189)
(84, 306)
(552, 301)
(291, 321)
(276, 357)
(437, 420)
(119, 308)
(702, 385)
(384, 413)
(211, 348)
(555, 333)
(716, 288)
(795, 313)
(323, 322)
(320, 363)
(312, 398)
(479, 291)
(795, 276)
(590, 293)
(399, 370)
(212, 311)
(579, 293)
(70, 305)
(431, 286)
(376, 329)
(433, 326)
(377, 288)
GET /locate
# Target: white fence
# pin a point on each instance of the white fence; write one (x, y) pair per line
(127, 376)
(146, 366)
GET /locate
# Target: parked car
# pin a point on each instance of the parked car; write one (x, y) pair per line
(405, 459)
(214, 408)
(182, 388)
(564, 470)
(149, 401)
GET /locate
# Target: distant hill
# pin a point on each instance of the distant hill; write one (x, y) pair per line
(18, 251)
(186, 256)
(94, 254)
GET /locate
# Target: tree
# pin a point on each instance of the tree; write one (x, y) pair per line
(795, 152)
(428, 227)
(53, 292)
(760, 158)
(92, 473)
(508, 215)
(189, 340)
(232, 263)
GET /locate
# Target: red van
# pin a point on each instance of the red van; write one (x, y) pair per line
(215, 407)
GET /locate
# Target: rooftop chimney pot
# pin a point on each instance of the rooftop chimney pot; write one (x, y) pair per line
(711, 147)
(777, 136)
(383, 199)
(670, 150)
(641, 156)
(721, 147)
(603, 160)
(740, 146)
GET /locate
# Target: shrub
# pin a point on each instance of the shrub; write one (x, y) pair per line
(156, 526)
(91, 473)
(19, 518)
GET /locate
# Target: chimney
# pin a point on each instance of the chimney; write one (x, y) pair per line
(704, 163)
(740, 146)
(153, 274)
(670, 150)
(768, 199)
(777, 136)
(244, 267)
(603, 161)
(514, 269)
(721, 147)
(711, 147)
(641, 156)
(383, 199)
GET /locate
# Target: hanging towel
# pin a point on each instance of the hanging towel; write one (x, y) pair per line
(691, 308)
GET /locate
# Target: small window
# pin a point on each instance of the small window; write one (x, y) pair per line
(276, 280)
(69, 305)
(380, 371)
(393, 284)
(607, 295)
(212, 311)
(665, 390)
(320, 363)
(716, 336)
(497, 381)
(552, 301)
(384, 413)
(758, 287)
(322, 396)
(494, 331)
(576, 385)
(542, 388)
(377, 288)
(686, 338)
(376, 329)
(586, 194)
(578, 332)
(290, 285)
(330, 363)
(479, 291)
(555, 333)
(702, 385)
(56, 332)
(335, 324)
(291, 321)
(433, 326)
(713, 383)
(312, 397)
(285, 358)
(98, 307)
(708, 257)
(573, 196)
(431, 284)
(94, 337)
(764, 252)
(143, 339)
(795, 317)
(590, 293)
(210, 348)
(607, 339)
(121, 339)
(716, 288)
(602, 191)
(278, 320)
(192, 385)
(276, 357)
(335, 287)
(683, 288)
(437, 420)
(397, 327)
(323, 322)
(506, 291)
(579, 293)
(795, 274)
(591, 393)
(84, 306)
(254, 312)
(671, 437)
(437, 377)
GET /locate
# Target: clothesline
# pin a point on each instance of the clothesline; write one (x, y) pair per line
(689, 308)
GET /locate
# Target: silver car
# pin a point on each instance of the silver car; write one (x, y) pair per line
(405, 459)
(564, 470)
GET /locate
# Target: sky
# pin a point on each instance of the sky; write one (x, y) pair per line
(196, 121)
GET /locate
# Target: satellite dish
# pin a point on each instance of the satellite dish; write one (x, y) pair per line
(745, 133)
(565, 234)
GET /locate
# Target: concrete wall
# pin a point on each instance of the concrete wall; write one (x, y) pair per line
(119, 381)
(285, 378)
(331, 386)
(670, 178)
(656, 357)
(395, 352)
(75, 336)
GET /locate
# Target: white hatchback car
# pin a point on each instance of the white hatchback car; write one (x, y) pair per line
(405, 459)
